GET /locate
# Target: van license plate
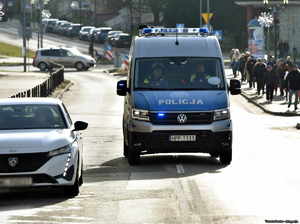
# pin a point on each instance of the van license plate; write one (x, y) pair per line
(183, 138)
(15, 182)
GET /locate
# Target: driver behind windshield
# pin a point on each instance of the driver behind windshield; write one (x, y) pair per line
(156, 77)
(200, 77)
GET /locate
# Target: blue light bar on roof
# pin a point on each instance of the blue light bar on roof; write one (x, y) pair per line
(204, 30)
(171, 30)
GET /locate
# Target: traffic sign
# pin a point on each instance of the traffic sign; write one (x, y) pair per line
(207, 17)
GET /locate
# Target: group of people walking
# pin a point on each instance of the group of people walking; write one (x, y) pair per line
(268, 76)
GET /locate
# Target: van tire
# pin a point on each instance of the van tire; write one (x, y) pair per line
(125, 149)
(79, 66)
(133, 156)
(214, 154)
(226, 156)
(43, 66)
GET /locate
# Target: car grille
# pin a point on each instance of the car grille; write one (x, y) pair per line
(25, 162)
(192, 118)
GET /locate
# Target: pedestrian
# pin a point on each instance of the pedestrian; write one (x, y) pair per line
(293, 81)
(235, 61)
(271, 81)
(91, 46)
(242, 63)
(259, 71)
(249, 71)
(280, 72)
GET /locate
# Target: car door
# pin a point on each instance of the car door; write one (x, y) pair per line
(67, 58)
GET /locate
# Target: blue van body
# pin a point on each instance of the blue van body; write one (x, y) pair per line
(177, 98)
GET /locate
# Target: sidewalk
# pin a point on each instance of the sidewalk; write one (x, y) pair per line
(278, 107)
(14, 82)
(13, 60)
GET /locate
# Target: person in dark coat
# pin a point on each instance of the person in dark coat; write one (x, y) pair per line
(293, 81)
(280, 72)
(259, 71)
(250, 75)
(271, 81)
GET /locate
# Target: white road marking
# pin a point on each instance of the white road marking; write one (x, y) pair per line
(180, 169)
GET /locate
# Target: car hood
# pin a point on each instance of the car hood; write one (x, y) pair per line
(30, 141)
(181, 100)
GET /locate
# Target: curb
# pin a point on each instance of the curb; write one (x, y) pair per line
(281, 114)
(60, 94)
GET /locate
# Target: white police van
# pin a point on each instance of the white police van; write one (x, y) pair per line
(176, 95)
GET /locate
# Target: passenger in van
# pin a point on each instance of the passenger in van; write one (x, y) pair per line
(200, 77)
(156, 78)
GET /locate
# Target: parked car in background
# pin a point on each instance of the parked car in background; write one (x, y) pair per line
(101, 36)
(84, 32)
(112, 34)
(63, 28)
(73, 30)
(93, 32)
(49, 24)
(122, 40)
(40, 145)
(47, 58)
(58, 25)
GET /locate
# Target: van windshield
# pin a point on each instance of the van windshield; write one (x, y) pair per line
(179, 73)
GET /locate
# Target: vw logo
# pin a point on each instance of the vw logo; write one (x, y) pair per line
(181, 118)
(13, 161)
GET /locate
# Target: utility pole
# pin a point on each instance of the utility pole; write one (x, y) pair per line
(208, 11)
(95, 13)
(201, 13)
(80, 14)
(24, 35)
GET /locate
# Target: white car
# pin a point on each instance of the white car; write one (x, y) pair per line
(39, 145)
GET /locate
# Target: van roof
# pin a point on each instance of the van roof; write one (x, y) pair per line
(189, 46)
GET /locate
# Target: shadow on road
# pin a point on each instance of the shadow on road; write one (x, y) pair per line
(165, 166)
(30, 198)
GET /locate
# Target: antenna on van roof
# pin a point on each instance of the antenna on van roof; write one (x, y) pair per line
(177, 42)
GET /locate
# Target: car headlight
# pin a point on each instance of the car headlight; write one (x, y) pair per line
(223, 114)
(63, 150)
(142, 115)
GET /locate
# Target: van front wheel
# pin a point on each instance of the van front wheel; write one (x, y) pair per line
(133, 156)
(226, 156)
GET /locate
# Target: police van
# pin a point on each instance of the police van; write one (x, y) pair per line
(177, 95)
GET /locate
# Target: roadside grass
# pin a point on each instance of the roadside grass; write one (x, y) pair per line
(13, 51)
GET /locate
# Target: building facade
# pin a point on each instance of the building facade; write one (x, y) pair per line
(286, 17)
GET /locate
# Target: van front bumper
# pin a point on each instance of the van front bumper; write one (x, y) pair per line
(211, 138)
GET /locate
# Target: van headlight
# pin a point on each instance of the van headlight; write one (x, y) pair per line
(142, 115)
(63, 150)
(222, 114)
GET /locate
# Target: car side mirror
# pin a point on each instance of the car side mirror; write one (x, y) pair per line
(80, 126)
(122, 89)
(235, 87)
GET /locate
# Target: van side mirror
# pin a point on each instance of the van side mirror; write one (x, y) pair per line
(235, 87)
(122, 89)
(80, 126)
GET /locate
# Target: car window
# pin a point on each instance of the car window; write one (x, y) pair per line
(31, 117)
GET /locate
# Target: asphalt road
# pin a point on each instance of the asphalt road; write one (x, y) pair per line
(262, 183)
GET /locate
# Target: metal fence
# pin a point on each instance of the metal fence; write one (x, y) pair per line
(46, 88)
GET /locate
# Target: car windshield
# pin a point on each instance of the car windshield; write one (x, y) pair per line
(31, 117)
(87, 29)
(179, 73)
(75, 51)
